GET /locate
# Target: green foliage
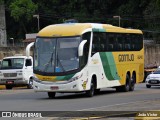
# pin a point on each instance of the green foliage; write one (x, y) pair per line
(1, 1)
(158, 3)
(139, 14)
(21, 9)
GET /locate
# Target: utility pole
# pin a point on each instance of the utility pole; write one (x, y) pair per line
(37, 16)
(119, 19)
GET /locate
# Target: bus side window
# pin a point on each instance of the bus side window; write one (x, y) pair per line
(127, 43)
(111, 42)
(120, 42)
(119, 46)
(140, 41)
(137, 42)
(133, 42)
(102, 38)
(127, 47)
(99, 42)
(110, 47)
(95, 43)
(84, 58)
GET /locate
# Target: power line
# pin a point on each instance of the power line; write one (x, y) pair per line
(151, 31)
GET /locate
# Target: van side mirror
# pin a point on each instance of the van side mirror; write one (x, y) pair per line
(80, 48)
(28, 62)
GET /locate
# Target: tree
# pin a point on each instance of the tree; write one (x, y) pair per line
(151, 15)
(22, 11)
(158, 3)
(1, 1)
(134, 13)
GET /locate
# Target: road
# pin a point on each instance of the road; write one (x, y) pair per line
(21, 99)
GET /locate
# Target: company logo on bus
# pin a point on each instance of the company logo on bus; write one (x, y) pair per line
(125, 57)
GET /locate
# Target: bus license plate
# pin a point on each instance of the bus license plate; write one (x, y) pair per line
(54, 87)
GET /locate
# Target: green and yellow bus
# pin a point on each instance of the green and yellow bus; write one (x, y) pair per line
(85, 57)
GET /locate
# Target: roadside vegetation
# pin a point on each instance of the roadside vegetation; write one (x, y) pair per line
(140, 14)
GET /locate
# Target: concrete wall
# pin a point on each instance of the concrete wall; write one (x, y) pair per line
(3, 37)
(152, 53)
(10, 51)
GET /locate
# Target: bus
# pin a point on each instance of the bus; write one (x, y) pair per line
(85, 57)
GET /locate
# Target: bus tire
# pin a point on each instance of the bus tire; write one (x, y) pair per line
(90, 93)
(124, 88)
(9, 87)
(132, 82)
(51, 95)
(148, 86)
(97, 91)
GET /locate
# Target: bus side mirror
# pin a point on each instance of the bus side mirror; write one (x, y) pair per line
(28, 49)
(81, 46)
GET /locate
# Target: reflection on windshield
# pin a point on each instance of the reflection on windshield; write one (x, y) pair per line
(13, 63)
(56, 54)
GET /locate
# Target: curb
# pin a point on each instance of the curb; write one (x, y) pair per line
(2, 87)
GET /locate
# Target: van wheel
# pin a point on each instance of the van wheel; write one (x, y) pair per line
(8, 87)
(124, 88)
(132, 83)
(29, 86)
(148, 86)
(90, 93)
(51, 94)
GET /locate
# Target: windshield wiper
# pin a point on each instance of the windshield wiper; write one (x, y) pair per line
(60, 64)
(50, 61)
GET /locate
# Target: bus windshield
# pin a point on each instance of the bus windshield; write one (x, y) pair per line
(12, 63)
(54, 55)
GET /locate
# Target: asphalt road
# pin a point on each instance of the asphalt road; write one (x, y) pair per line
(21, 99)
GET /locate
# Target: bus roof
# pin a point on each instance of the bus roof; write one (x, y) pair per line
(73, 29)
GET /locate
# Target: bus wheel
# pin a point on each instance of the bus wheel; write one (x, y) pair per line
(124, 88)
(51, 94)
(90, 93)
(132, 83)
(8, 87)
(97, 91)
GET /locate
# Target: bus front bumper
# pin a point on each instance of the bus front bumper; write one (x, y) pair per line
(57, 87)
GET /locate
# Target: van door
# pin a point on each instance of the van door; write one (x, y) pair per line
(28, 69)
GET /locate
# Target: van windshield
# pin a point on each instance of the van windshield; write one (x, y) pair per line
(12, 63)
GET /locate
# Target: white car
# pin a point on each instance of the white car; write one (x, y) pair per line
(153, 79)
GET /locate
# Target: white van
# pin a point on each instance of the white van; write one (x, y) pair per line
(16, 71)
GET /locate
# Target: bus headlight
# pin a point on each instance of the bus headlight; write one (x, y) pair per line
(75, 78)
(36, 79)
